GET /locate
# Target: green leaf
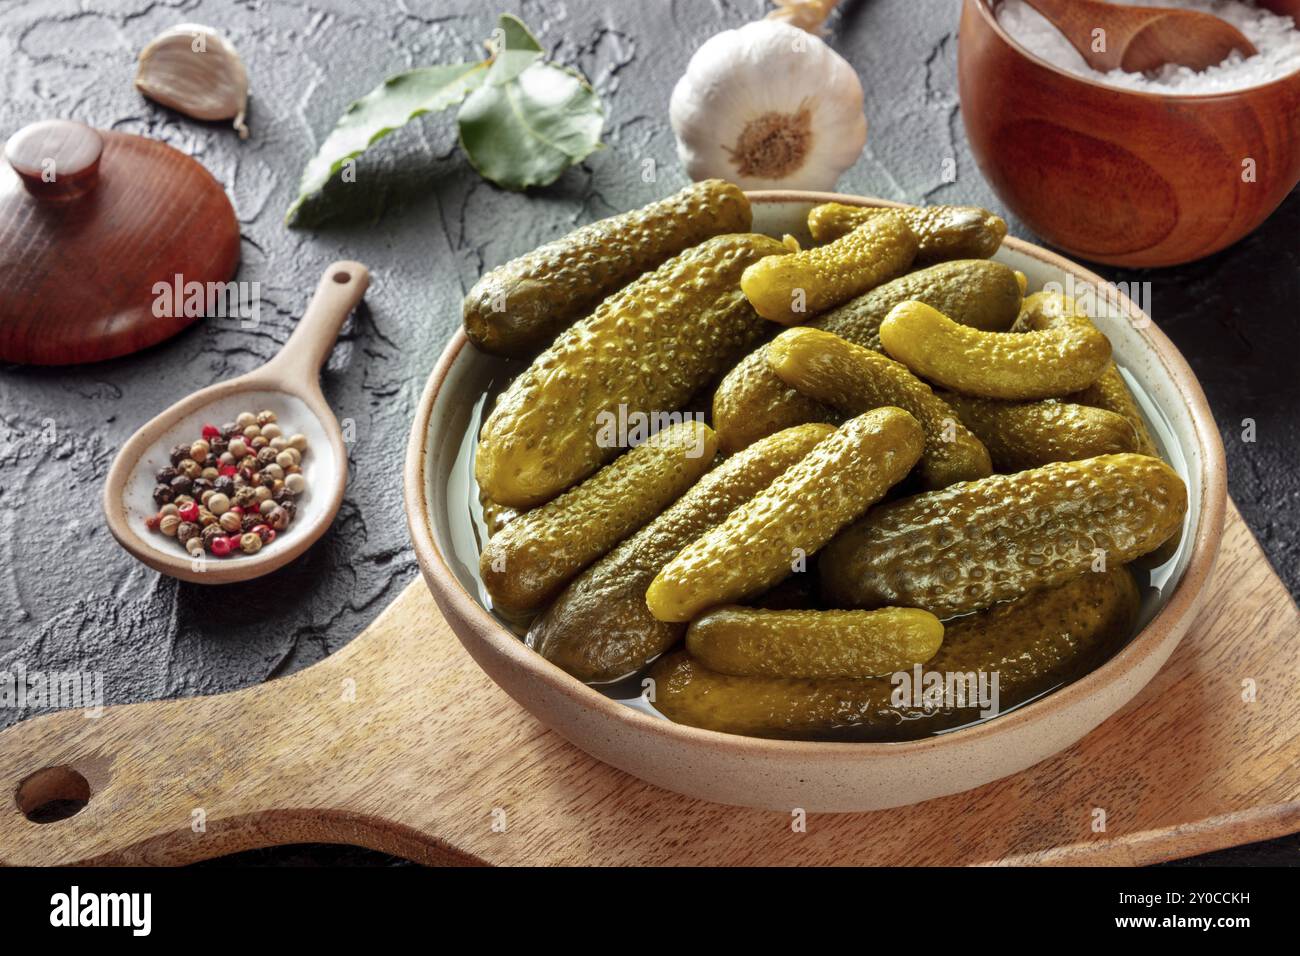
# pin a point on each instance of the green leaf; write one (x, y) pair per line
(399, 100)
(514, 48)
(528, 131)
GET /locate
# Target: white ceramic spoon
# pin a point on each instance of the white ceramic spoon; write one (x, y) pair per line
(289, 385)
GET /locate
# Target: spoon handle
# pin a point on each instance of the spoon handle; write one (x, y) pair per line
(339, 291)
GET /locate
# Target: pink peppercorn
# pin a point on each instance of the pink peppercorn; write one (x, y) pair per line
(221, 546)
(190, 512)
(211, 431)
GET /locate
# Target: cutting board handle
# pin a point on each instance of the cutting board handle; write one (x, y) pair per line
(305, 758)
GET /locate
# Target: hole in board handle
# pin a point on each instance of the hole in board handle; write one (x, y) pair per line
(53, 794)
(342, 277)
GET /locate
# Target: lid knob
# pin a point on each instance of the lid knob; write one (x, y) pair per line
(56, 159)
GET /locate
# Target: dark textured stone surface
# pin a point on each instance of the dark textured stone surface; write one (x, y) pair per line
(426, 225)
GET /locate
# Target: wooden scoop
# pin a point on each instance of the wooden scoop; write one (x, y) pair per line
(289, 385)
(1138, 39)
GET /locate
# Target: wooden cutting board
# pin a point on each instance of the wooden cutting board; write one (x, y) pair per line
(400, 743)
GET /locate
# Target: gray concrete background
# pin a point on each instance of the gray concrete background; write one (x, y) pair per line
(426, 224)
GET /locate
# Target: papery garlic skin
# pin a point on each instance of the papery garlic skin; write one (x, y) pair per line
(768, 106)
(196, 71)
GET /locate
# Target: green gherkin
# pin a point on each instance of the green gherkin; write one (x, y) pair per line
(791, 288)
(1110, 394)
(976, 543)
(644, 352)
(1067, 355)
(519, 308)
(1027, 435)
(754, 642)
(943, 232)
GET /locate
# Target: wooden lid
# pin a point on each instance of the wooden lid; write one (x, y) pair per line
(91, 223)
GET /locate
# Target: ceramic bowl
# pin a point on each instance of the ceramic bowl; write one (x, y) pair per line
(817, 776)
(1120, 176)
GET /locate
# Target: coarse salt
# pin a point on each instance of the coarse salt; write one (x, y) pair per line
(1275, 37)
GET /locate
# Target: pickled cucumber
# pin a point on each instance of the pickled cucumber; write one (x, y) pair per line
(854, 380)
(1046, 310)
(1026, 435)
(1049, 363)
(974, 544)
(942, 232)
(642, 354)
(1033, 644)
(792, 288)
(762, 540)
(599, 628)
(752, 402)
(1110, 394)
(756, 643)
(518, 308)
(529, 560)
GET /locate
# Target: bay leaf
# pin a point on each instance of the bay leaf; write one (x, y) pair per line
(529, 130)
(396, 102)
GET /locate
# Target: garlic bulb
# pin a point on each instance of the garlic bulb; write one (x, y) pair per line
(195, 70)
(768, 106)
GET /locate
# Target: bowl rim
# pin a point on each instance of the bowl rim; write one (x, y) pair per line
(454, 599)
(990, 18)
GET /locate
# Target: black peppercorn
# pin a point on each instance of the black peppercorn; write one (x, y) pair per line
(179, 453)
(201, 485)
(266, 456)
(165, 475)
(181, 485)
(186, 530)
(211, 533)
(218, 445)
(230, 430)
(162, 494)
(226, 485)
(290, 508)
(251, 520)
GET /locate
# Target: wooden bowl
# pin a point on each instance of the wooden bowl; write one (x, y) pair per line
(814, 775)
(1116, 176)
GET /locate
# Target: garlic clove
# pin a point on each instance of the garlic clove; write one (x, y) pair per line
(195, 70)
